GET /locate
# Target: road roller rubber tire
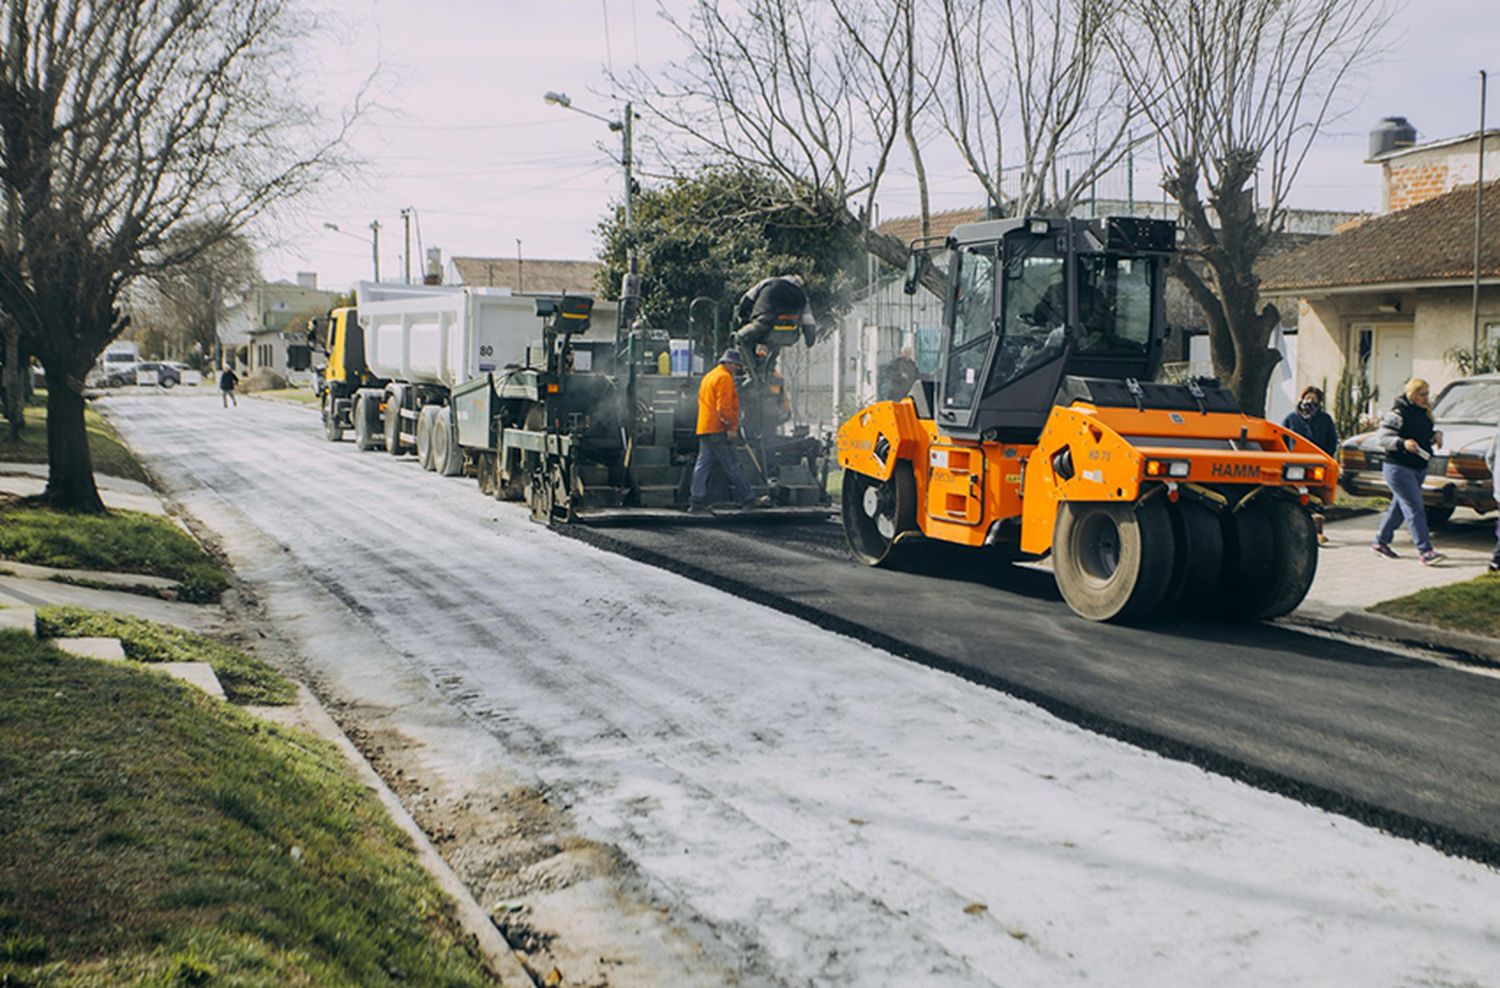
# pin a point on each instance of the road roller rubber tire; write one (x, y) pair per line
(1248, 578)
(876, 512)
(1199, 557)
(1113, 561)
(1296, 539)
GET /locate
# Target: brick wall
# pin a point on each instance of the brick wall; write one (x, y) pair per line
(1426, 172)
(1411, 184)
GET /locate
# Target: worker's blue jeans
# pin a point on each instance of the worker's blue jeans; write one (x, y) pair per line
(1406, 500)
(715, 446)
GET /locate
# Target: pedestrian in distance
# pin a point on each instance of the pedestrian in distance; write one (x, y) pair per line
(1312, 422)
(718, 420)
(1407, 437)
(227, 381)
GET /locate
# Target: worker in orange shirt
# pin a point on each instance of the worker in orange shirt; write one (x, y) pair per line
(718, 420)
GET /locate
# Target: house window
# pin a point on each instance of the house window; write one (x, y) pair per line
(1366, 346)
(1491, 333)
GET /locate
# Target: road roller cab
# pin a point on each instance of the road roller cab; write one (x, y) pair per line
(1044, 434)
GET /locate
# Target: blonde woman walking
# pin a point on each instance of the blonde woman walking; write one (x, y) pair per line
(1407, 436)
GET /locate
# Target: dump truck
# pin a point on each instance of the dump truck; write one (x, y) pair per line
(1045, 434)
(598, 429)
(393, 362)
(343, 372)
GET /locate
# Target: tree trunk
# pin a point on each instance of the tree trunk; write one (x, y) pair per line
(13, 387)
(70, 470)
(1251, 378)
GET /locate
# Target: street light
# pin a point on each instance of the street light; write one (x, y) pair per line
(374, 241)
(624, 128)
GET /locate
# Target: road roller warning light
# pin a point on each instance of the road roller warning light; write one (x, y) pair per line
(1168, 468)
(1044, 432)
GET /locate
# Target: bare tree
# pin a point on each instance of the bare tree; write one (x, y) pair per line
(815, 92)
(1237, 91)
(192, 297)
(122, 122)
(1037, 70)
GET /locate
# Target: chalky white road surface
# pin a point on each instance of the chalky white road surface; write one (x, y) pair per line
(824, 812)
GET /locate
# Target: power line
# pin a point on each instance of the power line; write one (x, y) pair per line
(549, 122)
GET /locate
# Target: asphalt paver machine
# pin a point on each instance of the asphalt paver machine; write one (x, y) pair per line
(594, 430)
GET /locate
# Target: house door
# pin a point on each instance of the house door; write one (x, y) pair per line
(1392, 362)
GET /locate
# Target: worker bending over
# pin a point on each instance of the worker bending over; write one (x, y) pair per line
(774, 313)
(718, 420)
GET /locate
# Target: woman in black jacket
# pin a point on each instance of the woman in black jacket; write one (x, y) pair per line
(1311, 422)
(1408, 438)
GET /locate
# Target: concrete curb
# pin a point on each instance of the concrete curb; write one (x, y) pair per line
(493, 948)
(1477, 647)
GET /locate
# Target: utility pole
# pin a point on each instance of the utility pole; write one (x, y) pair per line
(1484, 80)
(629, 154)
(406, 222)
(375, 247)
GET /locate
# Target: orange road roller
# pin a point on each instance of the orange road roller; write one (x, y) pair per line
(1045, 434)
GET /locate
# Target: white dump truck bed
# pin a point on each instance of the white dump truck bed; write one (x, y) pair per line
(444, 336)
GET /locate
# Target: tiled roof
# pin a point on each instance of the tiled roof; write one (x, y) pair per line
(528, 275)
(1431, 241)
(908, 228)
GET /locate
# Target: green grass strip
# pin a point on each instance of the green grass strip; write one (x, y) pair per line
(1472, 606)
(245, 679)
(119, 542)
(108, 453)
(151, 835)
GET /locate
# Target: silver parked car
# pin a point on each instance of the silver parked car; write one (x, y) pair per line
(1465, 412)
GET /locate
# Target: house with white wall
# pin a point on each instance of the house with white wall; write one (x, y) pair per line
(1392, 297)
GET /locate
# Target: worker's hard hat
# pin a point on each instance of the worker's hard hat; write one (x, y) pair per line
(731, 356)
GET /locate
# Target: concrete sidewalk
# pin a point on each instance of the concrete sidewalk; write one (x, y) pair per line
(25, 585)
(30, 480)
(1351, 578)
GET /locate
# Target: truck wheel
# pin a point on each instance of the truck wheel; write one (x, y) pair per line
(365, 436)
(447, 455)
(1198, 559)
(393, 425)
(1438, 514)
(876, 512)
(1113, 561)
(332, 431)
(425, 419)
(1248, 578)
(1296, 549)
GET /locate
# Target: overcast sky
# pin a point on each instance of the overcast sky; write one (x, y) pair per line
(461, 134)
